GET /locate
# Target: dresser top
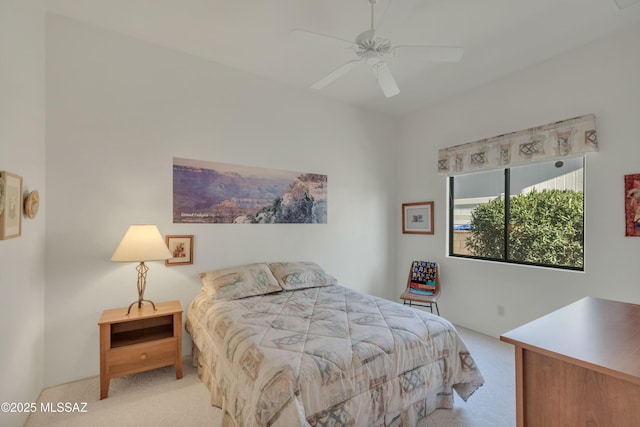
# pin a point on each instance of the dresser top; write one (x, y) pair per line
(595, 333)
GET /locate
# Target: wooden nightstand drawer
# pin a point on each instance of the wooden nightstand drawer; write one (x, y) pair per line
(141, 357)
(140, 340)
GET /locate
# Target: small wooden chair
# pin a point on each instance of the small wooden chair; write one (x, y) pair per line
(423, 285)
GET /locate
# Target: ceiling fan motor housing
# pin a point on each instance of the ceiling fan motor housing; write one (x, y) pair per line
(369, 46)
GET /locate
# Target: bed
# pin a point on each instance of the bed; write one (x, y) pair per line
(283, 344)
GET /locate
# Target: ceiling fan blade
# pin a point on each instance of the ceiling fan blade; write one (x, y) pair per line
(335, 74)
(304, 34)
(433, 53)
(385, 79)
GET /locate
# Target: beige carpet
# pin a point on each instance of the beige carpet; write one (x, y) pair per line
(155, 398)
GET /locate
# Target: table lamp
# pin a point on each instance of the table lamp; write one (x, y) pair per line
(141, 243)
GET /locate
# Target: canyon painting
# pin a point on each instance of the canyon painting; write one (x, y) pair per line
(221, 193)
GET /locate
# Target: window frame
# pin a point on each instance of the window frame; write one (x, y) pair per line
(507, 199)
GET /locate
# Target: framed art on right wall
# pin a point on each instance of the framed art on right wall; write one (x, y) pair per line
(632, 205)
(417, 218)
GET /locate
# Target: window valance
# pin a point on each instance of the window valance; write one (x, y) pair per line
(555, 140)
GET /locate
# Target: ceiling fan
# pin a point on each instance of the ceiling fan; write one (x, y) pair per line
(373, 50)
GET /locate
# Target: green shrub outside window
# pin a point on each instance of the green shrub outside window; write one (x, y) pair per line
(536, 226)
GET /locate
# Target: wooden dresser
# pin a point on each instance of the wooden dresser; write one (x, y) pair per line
(142, 340)
(579, 366)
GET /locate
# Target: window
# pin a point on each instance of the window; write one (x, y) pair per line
(532, 214)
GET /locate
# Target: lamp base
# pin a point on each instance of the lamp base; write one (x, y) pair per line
(142, 284)
(139, 302)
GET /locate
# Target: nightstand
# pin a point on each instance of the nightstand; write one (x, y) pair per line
(142, 340)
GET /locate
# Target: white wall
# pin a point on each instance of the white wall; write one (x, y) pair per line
(600, 78)
(22, 152)
(119, 110)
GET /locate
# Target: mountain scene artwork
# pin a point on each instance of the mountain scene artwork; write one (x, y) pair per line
(222, 193)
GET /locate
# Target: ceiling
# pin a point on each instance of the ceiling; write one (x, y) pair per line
(499, 37)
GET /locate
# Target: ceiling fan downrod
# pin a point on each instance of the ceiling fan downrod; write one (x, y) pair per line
(372, 3)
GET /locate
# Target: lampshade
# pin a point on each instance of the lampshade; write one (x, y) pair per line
(141, 243)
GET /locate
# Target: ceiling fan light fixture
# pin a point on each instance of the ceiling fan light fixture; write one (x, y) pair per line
(372, 58)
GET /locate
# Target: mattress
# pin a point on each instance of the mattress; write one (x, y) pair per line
(327, 356)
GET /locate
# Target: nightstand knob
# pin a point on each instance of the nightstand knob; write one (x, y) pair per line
(143, 356)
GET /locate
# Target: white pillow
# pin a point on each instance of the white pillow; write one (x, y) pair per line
(239, 282)
(301, 275)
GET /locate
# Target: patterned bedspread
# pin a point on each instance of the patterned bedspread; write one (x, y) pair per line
(328, 356)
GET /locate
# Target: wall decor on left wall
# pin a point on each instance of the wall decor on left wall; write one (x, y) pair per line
(32, 204)
(11, 199)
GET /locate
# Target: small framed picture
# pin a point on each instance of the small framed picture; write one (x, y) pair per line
(417, 218)
(10, 205)
(632, 205)
(181, 248)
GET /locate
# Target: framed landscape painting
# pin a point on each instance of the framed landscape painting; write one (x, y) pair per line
(221, 193)
(417, 218)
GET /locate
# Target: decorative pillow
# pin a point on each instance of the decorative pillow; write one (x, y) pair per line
(301, 275)
(239, 282)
